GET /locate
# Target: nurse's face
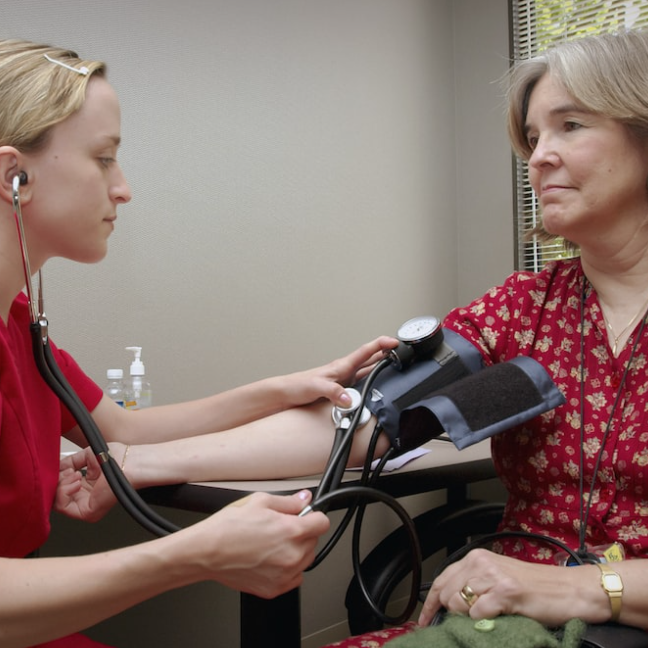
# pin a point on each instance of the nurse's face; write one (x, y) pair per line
(75, 183)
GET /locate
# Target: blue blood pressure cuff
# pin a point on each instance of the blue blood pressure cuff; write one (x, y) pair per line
(453, 392)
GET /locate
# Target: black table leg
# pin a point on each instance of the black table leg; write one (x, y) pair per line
(274, 623)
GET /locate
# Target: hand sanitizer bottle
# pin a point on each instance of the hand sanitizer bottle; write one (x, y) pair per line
(138, 389)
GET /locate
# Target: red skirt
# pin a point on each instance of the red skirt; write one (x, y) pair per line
(373, 639)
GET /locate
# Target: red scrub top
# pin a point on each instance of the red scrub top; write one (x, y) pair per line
(32, 421)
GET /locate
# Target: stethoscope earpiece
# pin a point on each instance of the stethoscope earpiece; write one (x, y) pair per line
(20, 179)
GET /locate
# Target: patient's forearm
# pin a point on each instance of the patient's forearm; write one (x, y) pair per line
(292, 443)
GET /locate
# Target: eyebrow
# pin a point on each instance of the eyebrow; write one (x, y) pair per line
(561, 110)
(567, 108)
(115, 140)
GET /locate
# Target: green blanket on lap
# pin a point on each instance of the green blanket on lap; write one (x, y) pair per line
(459, 631)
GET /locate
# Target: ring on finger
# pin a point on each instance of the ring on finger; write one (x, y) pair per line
(468, 595)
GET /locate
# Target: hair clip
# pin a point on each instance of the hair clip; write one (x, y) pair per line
(82, 70)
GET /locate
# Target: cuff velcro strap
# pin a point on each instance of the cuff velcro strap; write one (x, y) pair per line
(481, 405)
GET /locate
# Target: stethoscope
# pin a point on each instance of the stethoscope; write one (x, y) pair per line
(356, 497)
(417, 336)
(127, 496)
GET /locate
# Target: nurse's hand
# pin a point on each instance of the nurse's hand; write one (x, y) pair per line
(83, 492)
(257, 545)
(329, 380)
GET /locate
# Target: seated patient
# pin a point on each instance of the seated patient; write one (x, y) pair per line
(578, 114)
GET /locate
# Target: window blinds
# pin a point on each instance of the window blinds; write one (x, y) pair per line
(536, 25)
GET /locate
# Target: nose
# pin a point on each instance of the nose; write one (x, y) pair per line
(120, 191)
(544, 153)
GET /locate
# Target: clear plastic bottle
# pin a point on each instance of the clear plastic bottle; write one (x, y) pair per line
(115, 388)
(138, 390)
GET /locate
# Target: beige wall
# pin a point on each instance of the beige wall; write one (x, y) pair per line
(299, 182)
(484, 195)
(307, 175)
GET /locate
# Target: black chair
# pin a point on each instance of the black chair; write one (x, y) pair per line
(447, 527)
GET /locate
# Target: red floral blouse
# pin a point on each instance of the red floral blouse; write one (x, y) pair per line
(539, 315)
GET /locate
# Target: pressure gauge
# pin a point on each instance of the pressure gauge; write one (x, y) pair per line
(423, 333)
(418, 329)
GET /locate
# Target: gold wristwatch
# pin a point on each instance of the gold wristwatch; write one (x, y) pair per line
(613, 585)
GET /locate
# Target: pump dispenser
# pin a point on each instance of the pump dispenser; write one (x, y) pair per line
(138, 390)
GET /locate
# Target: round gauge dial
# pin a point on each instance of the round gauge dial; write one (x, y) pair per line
(418, 329)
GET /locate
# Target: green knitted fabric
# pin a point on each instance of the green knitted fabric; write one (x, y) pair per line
(459, 631)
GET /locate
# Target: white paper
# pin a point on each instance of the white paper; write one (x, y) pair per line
(400, 461)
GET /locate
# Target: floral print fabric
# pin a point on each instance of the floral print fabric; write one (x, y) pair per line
(539, 315)
(373, 639)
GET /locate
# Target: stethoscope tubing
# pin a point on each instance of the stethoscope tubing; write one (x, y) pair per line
(336, 465)
(127, 496)
(330, 489)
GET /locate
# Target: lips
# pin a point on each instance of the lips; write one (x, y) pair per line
(552, 193)
(551, 188)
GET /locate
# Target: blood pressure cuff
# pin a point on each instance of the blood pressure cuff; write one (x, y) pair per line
(454, 393)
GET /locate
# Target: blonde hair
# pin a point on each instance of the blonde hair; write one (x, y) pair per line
(36, 94)
(606, 74)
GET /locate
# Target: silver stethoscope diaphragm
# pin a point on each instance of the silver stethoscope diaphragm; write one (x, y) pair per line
(342, 415)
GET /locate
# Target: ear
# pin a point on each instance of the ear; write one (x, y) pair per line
(11, 165)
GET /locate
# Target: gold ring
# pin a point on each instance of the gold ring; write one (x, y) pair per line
(468, 595)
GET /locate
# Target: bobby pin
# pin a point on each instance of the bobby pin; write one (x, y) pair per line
(82, 70)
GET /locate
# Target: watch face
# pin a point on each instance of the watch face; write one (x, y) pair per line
(612, 582)
(418, 329)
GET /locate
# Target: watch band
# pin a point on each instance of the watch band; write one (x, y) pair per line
(613, 585)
